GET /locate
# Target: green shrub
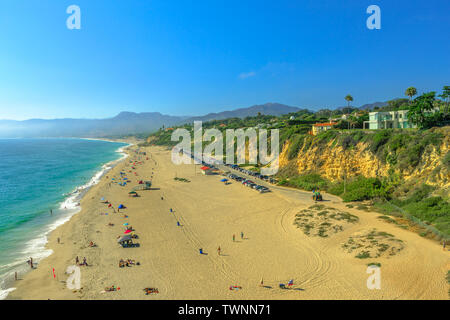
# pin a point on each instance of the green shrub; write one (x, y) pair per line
(309, 182)
(359, 189)
(295, 146)
(446, 160)
(379, 139)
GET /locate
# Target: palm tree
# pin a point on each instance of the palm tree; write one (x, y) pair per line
(411, 92)
(349, 99)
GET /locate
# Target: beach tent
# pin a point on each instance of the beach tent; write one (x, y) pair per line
(124, 238)
(206, 170)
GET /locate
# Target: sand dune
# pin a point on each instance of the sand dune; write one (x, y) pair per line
(209, 212)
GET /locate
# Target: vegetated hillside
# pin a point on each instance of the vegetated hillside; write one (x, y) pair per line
(409, 170)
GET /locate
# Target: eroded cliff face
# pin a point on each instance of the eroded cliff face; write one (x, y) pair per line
(334, 163)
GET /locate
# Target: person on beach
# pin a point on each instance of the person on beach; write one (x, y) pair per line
(59, 240)
(234, 237)
(84, 262)
(218, 251)
(200, 250)
(51, 212)
(178, 223)
(31, 262)
(77, 261)
(242, 235)
(171, 210)
(291, 283)
(15, 276)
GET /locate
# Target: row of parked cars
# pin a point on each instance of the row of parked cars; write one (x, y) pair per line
(253, 174)
(248, 183)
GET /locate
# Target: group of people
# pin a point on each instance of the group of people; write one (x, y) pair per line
(84, 263)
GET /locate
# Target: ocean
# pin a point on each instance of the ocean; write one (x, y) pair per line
(36, 176)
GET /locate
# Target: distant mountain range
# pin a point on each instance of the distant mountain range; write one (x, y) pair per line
(370, 106)
(126, 123)
(272, 109)
(123, 124)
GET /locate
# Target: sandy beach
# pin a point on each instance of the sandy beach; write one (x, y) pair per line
(273, 247)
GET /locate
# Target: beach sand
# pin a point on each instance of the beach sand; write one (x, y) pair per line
(210, 212)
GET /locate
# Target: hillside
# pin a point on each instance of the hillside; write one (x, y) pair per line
(402, 172)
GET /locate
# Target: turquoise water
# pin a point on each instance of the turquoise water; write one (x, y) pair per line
(36, 176)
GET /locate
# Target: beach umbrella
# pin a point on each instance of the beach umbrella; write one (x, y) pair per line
(128, 231)
(125, 224)
(223, 180)
(102, 199)
(121, 206)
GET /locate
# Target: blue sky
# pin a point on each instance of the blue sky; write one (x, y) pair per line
(195, 57)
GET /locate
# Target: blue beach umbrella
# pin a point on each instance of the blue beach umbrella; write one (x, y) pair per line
(223, 180)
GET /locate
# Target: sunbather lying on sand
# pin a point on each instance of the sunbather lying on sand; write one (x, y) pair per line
(235, 287)
(127, 263)
(151, 290)
(112, 288)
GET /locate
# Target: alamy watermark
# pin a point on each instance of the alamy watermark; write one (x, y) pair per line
(74, 280)
(74, 20)
(374, 20)
(374, 280)
(255, 151)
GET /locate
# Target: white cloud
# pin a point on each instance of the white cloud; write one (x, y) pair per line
(245, 75)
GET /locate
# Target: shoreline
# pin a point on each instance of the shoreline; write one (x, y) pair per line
(71, 203)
